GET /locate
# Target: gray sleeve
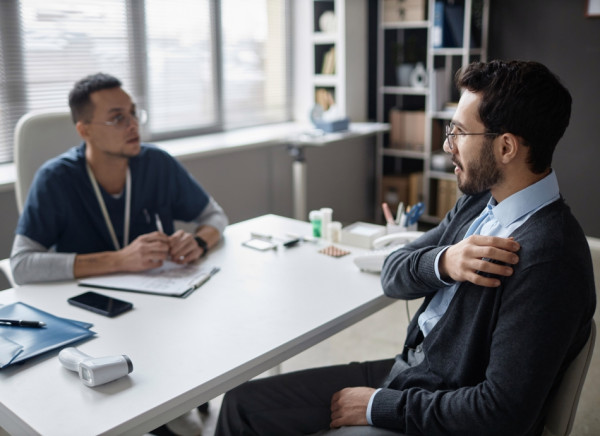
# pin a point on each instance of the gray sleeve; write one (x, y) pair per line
(31, 262)
(214, 216)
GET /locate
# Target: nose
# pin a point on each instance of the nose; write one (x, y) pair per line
(446, 146)
(132, 125)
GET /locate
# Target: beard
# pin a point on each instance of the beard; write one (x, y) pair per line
(483, 173)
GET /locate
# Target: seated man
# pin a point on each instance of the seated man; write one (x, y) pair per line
(507, 283)
(109, 205)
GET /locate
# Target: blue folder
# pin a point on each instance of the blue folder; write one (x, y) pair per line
(20, 343)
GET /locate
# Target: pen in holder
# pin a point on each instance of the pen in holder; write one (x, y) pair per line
(406, 220)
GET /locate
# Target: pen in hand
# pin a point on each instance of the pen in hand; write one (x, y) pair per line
(159, 226)
(22, 323)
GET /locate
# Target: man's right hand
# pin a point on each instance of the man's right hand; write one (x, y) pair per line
(465, 260)
(145, 252)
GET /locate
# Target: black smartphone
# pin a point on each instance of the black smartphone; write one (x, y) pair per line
(101, 304)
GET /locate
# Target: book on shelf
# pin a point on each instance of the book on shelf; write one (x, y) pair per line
(450, 106)
(403, 10)
(324, 98)
(394, 190)
(440, 89)
(448, 25)
(454, 16)
(438, 25)
(407, 130)
(447, 195)
(329, 62)
(402, 188)
(415, 188)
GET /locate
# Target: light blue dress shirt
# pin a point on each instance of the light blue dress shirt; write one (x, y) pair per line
(497, 219)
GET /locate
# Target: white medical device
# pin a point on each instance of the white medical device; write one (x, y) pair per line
(94, 371)
(382, 247)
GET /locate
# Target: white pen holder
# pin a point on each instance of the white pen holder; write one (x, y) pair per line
(394, 228)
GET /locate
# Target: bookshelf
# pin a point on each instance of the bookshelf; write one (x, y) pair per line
(411, 166)
(339, 53)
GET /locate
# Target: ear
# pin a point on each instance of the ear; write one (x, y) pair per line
(82, 129)
(509, 146)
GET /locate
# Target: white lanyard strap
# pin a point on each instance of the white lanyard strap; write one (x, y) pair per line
(107, 220)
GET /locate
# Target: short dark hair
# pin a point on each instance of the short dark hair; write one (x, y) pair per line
(523, 98)
(79, 97)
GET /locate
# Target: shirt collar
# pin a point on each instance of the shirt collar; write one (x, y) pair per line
(526, 201)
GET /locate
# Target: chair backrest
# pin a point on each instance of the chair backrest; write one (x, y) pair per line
(39, 136)
(563, 406)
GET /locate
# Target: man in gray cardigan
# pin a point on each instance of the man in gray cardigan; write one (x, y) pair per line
(507, 283)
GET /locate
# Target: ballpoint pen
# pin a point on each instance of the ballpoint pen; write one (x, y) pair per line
(206, 277)
(399, 213)
(293, 240)
(22, 323)
(159, 226)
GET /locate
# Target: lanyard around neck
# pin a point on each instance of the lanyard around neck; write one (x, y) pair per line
(107, 220)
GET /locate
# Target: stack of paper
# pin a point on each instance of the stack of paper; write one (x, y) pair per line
(170, 279)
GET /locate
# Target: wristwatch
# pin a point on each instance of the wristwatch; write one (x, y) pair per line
(202, 244)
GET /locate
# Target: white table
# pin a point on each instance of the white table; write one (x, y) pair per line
(261, 309)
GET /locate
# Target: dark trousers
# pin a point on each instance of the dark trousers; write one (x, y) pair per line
(297, 403)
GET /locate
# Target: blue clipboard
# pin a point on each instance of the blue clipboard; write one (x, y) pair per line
(20, 343)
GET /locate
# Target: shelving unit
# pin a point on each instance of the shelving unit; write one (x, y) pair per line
(404, 171)
(344, 76)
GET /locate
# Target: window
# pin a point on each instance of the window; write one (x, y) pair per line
(254, 45)
(197, 66)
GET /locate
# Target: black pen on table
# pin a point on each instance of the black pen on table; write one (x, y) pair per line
(22, 323)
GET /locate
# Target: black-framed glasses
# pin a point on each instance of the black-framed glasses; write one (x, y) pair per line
(451, 137)
(123, 121)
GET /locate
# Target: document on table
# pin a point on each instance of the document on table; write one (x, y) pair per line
(170, 279)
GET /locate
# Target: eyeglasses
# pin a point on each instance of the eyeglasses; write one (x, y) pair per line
(123, 121)
(451, 137)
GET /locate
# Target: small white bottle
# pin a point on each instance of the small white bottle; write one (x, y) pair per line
(326, 216)
(335, 231)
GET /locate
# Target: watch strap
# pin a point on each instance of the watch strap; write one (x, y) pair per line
(202, 244)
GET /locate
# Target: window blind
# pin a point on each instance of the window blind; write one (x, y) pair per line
(195, 65)
(181, 66)
(254, 62)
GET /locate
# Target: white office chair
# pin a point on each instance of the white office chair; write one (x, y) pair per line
(563, 406)
(39, 136)
(5, 268)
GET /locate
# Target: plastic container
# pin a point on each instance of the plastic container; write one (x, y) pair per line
(315, 218)
(334, 230)
(326, 218)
